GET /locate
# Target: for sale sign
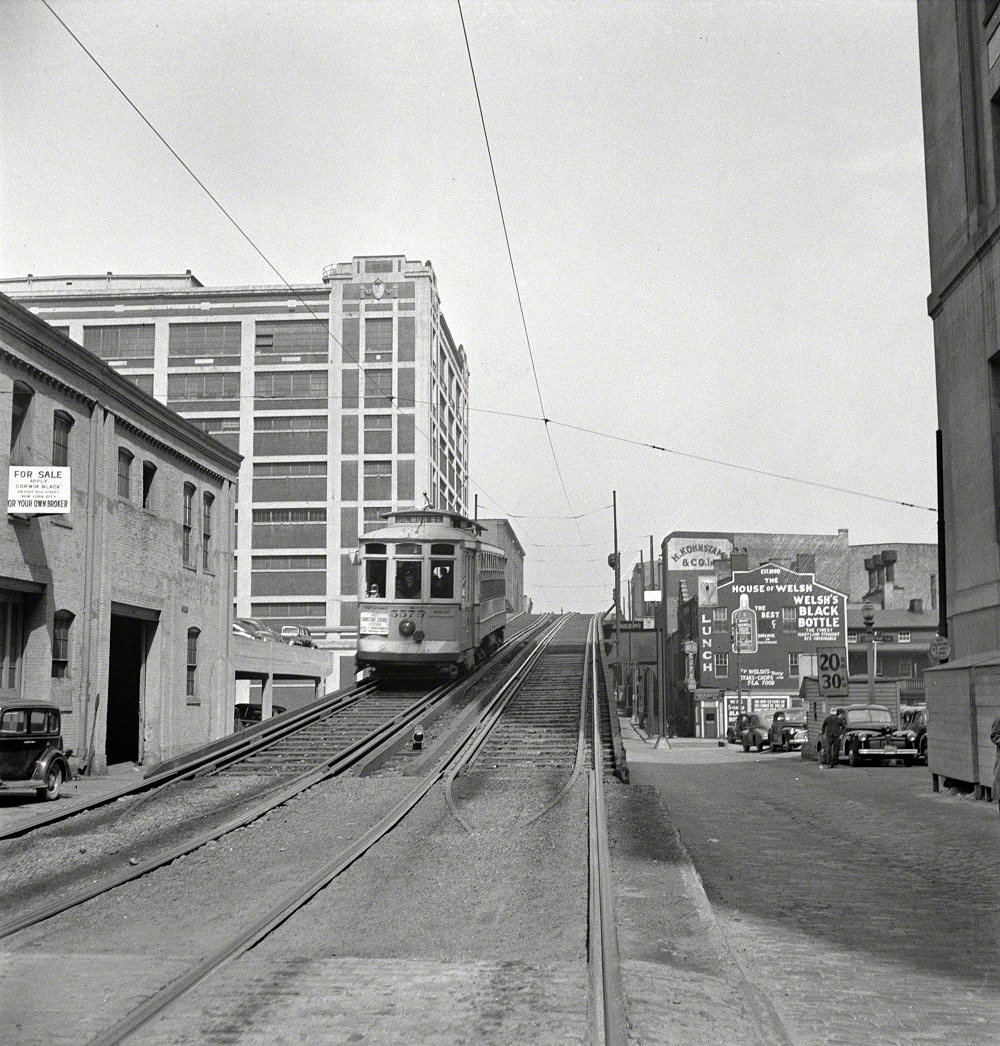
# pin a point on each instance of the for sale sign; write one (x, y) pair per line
(36, 490)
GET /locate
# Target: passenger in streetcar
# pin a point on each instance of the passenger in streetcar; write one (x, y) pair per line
(408, 581)
(442, 586)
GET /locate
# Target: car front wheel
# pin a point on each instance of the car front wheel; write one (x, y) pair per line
(53, 784)
(853, 755)
(746, 744)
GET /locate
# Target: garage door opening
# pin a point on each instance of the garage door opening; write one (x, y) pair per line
(125, 675)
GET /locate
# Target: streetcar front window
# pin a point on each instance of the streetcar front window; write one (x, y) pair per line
(375, 570)
(408, 579)
(442, 579)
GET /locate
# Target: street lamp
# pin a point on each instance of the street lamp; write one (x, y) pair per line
(868, 613)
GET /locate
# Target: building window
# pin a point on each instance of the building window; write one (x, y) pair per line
(378, 481)
(188, 522)
(148, 474)
(128, 342)
(61, 424)
(192, 664)
(905, 668)
(218, 343)
(206, 529)
(378, 433)
(378, 340)
(374, 516)
(378, 388)
(20, 440)
(125, 458)
(721, 664)
(793, 663)
(720, 616)
(788, 616)
(904, 637)
(60, 644)
(852, 637)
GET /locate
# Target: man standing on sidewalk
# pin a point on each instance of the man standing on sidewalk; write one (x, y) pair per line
(833, 729)
(995, 738)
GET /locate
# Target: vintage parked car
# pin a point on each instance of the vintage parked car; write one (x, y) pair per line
(787, 730)
(246, 714)
(250, 628)
(754, 733)
(296, 635)
(31, 748)
(735, 732)
(913, 719)
(871, 735)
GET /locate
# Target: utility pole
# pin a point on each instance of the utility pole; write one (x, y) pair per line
(618, 581)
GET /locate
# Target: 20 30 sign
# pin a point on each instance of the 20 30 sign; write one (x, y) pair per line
(832, 671)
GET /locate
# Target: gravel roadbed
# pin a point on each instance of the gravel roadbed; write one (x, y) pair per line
(438, 935)
(50, 861)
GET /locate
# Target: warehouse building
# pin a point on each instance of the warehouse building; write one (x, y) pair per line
(347, 399)
(115, 553)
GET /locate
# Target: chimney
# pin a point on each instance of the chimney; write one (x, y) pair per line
(805, 563)
(740, 560)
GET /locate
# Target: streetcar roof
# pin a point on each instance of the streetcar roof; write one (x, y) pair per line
(424, 516)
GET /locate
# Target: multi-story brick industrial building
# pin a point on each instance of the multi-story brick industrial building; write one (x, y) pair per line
(115, 600)
(347, 398)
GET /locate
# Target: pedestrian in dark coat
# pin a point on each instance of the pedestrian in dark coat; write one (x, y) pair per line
(833, 729)
(995, 738)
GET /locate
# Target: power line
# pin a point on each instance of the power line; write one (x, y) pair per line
(706, 459)
(510, 253)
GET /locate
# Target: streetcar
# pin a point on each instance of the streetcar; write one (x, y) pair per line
(431, 594)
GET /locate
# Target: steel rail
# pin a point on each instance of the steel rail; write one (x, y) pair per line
(608, 1012)
(322, 771)
(225, 751)
(231, 747)
(294, 901)
(495, 711)
(389, 732)
(581, 745)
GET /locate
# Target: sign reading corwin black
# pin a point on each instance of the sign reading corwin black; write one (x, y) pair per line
(38, 490)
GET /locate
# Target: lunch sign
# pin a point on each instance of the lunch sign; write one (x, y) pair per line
(759, 618)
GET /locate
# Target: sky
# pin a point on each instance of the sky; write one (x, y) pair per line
(716, 214)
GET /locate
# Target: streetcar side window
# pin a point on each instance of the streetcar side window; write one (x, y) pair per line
(375, 570)
(408, 579)
(442, 579)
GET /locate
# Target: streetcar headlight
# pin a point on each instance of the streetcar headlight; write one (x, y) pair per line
(406, 627)
(418, 737)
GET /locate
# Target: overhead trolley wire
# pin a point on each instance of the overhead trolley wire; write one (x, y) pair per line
(510, 254)
(702, 457)
(239, 228)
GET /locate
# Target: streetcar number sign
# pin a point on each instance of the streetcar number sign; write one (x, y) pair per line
(831, 663)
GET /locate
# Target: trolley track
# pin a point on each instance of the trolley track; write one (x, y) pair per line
(267, 774)
(261, 925)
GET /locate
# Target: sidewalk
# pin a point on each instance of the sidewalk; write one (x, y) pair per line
(641, 747)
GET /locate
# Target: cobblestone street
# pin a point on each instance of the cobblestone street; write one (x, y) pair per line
(860, 905)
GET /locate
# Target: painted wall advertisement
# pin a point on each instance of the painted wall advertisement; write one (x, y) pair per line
(35, 490)
(695, 553)
(766, 625)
